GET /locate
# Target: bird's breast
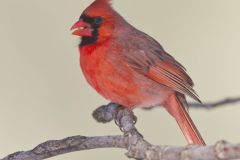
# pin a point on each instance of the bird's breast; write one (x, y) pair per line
(110, 76)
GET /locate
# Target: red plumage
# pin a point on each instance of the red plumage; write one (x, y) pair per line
(130, 68)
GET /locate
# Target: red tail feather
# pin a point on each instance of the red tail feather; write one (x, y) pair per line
(177, 107)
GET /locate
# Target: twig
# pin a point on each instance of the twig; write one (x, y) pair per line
(208, 105)
(212, 105)
(132, 141)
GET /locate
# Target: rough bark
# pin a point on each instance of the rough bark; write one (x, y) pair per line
(132, 141)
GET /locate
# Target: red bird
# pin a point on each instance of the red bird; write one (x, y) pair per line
(130, 68)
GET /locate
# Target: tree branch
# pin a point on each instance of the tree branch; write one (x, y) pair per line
(71, 144)
(132, 141)
(213, 105)
(137, 149)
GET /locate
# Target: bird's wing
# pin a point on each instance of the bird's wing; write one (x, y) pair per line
(147, 57)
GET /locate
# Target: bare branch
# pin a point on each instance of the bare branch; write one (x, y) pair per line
(137, 149)
(132, 141)
(212, 105)
(124, 118)
(71, 144)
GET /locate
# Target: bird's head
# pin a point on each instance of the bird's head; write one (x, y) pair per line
(96, 24)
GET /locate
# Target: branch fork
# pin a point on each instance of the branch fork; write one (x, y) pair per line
(132, 141)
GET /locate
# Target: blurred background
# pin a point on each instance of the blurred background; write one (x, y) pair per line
(43, 94)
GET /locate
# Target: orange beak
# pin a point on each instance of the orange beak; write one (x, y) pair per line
(82, 29)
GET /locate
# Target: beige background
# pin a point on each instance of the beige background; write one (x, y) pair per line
(43, 94)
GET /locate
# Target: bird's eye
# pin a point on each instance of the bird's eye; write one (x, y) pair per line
(98, 20)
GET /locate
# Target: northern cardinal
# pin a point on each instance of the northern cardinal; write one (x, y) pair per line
(130, 68)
